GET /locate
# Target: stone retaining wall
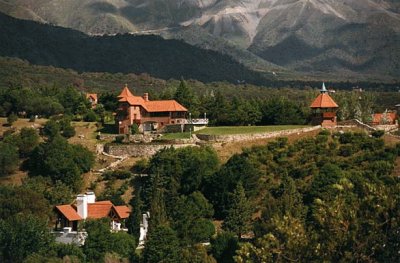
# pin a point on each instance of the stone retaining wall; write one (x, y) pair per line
(248, 137)
(386, 128)
(147, 149)
(139, 150)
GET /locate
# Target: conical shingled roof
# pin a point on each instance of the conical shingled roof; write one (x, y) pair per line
(125, 93)
(324, 101)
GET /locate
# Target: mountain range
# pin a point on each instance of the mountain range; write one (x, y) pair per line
(328, 36)
(48, 45)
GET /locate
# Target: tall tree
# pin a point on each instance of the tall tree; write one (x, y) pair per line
(162, 246)
(184, 95)
(8, 158)
(98, 241)
(158, 213)
(135, 217)
(238, 219)
(61, 161)
(21, 236)
(29, 139)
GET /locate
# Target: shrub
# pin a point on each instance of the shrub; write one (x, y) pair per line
(68, 131)
(345, 138)
(134, 129)
(119, 138)
(378, 134)
(8, 158)
(12, 118)
(324, 132)
(90, 116)
(117, 174)
(346, 150)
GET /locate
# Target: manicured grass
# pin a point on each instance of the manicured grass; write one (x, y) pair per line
(175, 136)
(228, 130)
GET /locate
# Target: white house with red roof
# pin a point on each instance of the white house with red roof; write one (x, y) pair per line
(70, 216)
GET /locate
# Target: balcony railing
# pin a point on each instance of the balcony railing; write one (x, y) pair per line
(197, 121)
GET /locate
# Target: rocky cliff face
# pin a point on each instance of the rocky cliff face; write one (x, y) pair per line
(306, 35)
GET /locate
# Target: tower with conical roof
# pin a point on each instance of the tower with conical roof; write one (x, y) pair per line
(324, 109)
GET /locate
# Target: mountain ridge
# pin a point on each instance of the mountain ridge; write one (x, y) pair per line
(334, 35)
(44, 44)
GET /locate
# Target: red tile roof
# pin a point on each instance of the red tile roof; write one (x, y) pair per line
(324, 101)
(122, 211)
(69, 212)
(163, 105)
(133, 100)
(125, 93)
(150, 106)
(92, 95)
(99, 209)
(96, 210)
(391, 117)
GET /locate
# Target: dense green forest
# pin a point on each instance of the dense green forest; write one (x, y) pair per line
(330, 198)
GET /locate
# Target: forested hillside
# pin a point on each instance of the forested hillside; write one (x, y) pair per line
(65, 48)
(334, 198)
(330, 198)
(224, 103)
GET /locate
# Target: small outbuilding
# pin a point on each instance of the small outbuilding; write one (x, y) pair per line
(324, 109)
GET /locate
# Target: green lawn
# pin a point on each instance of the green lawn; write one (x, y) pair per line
(227, 130)
(174, 136)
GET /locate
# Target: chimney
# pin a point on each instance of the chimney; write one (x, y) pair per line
(82, 205)
(146, 96)
(91, 197)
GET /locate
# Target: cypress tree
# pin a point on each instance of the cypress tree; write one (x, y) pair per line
(135, 218)
(238, 219)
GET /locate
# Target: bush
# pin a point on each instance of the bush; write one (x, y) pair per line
(345, 138)
(8, 158)
(90, 116)
(378, 134)
(134, 129)
(142, 166)
(119, 138)
(346, 150)
(224, 247)
(117, 174)
(12, 118)
(51, 129)
(324, 132)
(68, 131)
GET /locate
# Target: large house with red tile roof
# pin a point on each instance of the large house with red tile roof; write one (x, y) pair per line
(147, 114)
(324, 109)
(70, 216)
